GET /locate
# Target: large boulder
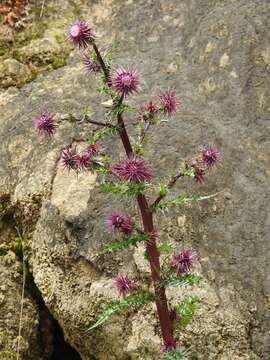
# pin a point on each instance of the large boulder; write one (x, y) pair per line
(216, 55)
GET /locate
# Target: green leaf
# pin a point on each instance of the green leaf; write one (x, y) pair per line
(124, 188)
(86, 114)
(120, 108)
(105, 132)
(91, 357)
(138, 149)
(163, 189)
(186, 310)
(124, 243)
(190, 279)
(121, 188)
(118, 306)
(166, 248)
(181, 200)
(103, 89)
(179, 354)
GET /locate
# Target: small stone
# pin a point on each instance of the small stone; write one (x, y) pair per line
(224, 60)
(14, 67)
(3, 288)
(181, 220)
(2, 299)
(171, 68)
(108, 103)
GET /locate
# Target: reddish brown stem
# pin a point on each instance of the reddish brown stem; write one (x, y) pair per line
(153, 256)
(99, 123)
(102, 63)
(151, 247)
(148, 225)
(124, 136)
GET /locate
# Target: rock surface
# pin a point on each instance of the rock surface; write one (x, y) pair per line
(216, 54)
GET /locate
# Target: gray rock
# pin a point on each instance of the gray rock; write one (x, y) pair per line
(12, 72)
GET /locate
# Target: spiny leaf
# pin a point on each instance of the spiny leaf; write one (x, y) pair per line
(105, 132)
(180, 200)
(186, 310)
(120, 108)
(163, 189)
(124, 188)
(103, 89)
(138, 148)
(180, 354)
(124, 243)
(118, 306)
(166, 248)
(190, 279)
(114, 188)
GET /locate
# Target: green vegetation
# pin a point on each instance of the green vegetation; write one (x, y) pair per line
(118, 306)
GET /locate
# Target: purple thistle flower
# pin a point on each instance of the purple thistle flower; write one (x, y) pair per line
(85, 162)
(71, 159)
(119, 222)
(125, 284)
(183, 262)
(210, 155)
(169, 101)
(93, 149)
(133, 170)
(91, 66)
(125, 81)
(151, 107)
(81, 34)
(199, 174)
(45, 123)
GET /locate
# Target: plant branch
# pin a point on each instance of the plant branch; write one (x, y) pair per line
(102, 64)
(100, 123)
(169, 186)
(144, 132)
(123, 132)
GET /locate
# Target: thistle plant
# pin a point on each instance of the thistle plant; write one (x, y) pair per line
(133, 176)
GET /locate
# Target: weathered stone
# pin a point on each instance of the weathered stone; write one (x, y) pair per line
(10, 300)
(13, 72)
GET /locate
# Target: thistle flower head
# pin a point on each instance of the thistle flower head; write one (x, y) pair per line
(125, 284)
(125, 81)
(71, 160)
(133, 170)
(45, 123)
(119, 222)
(151, 107)
(81, 33)
(183, 262)
(210, 155)
(93, 149)
(91, 66)
(168, 101)
(199, 174)
(85, 162)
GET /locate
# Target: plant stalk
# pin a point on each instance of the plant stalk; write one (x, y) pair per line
(148, 225)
